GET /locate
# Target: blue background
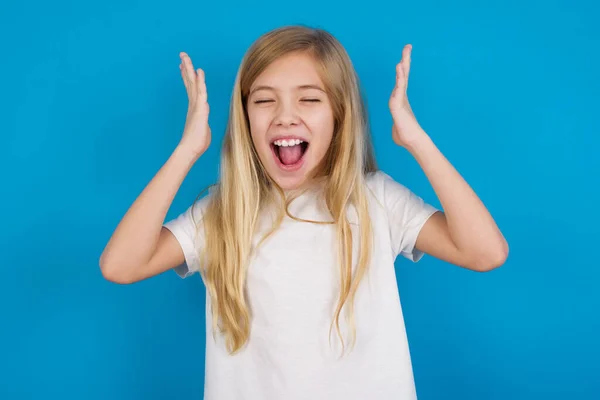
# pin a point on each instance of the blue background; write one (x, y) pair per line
(93, 104)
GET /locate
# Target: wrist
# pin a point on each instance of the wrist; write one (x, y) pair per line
(186, 154)
(420, 142)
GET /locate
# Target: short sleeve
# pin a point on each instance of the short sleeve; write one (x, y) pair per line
(406, 213)
(188, 230)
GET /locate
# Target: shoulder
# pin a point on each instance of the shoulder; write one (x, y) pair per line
(396, 198)
(377, 178)
(198, 208)
(385, 188)
(193, 215)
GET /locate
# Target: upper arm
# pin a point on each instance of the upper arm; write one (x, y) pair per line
(434, 239)
(177, 248)
(406, 215)
(418, 228)
(167, 255)
(187, 232)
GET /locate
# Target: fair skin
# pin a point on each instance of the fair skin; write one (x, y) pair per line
(465, 234)
(140, 247)
(288, 102)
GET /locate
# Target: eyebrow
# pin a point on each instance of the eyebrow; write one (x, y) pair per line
(301, 87)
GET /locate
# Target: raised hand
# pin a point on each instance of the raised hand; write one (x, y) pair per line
(405, 128)
(196, 133)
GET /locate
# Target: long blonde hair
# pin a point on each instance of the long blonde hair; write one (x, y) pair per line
(244, 188)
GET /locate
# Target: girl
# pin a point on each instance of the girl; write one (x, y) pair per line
(296, 243)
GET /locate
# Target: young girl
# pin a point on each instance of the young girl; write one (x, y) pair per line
(297, 241)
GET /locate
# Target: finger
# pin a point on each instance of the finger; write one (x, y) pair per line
(189, 69)
(184, 74)
(400, 77)
(184, 77)
(201, 84)
(406, 58)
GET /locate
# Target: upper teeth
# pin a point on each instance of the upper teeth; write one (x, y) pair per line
(289, 142)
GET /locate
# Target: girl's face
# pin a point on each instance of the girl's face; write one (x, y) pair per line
(291, 119)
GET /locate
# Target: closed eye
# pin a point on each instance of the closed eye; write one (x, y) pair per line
(312, 100)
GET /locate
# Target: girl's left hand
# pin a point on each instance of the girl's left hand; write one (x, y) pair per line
(406, 129)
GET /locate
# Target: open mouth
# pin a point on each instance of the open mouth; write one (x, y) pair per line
(289, 153)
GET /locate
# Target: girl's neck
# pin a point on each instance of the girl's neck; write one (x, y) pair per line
(309, 185)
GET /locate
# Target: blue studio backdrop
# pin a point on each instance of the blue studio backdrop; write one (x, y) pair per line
(93, 105)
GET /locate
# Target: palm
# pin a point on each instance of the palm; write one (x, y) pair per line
(403, 117)
(196, 133)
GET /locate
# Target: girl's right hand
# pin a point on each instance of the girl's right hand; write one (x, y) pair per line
(196, 133)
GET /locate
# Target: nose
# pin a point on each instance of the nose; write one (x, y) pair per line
(286, 114)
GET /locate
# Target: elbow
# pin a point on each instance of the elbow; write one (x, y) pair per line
(492, 263)
(114, 273)
(491, 259)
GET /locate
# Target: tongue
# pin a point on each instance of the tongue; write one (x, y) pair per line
(290, 155)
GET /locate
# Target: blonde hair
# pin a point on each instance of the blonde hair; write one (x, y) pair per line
(245, 188)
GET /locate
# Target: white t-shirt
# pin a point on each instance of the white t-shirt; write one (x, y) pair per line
(292, 286)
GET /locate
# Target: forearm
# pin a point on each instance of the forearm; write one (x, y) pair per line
(135, 238)
(470, 225)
